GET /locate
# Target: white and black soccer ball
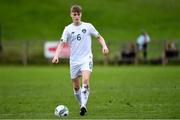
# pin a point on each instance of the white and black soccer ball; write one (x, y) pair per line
(61, 111)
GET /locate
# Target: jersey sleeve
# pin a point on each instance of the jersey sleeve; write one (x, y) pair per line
(93, 31)
(64, 37)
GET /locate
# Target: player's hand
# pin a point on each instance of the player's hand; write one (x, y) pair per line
(105, 50)
(55, 60)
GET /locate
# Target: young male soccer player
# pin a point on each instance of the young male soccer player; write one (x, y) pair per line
(78, 35)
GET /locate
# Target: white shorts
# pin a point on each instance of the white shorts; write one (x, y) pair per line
(75, 69)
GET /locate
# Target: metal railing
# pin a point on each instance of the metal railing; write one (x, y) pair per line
(32, 52)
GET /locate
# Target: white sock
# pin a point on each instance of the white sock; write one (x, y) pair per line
(84, 94)
(78, 95)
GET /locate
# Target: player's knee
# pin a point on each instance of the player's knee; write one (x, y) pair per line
(86, 81)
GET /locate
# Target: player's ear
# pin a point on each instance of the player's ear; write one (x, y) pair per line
(71, 14)
(80, 14)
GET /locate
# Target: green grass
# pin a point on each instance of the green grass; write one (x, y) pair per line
(115, 19)
(116, 92)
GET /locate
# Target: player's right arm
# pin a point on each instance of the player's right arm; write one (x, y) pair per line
(63, 40)
(58, 50)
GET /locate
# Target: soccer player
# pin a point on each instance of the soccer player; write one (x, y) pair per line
(78, 35)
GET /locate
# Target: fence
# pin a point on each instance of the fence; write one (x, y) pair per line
(32, 52)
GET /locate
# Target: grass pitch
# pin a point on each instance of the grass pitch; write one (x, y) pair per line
(116, 92)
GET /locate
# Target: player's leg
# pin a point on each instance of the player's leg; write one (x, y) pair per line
(77, 88)
(75, 76)
(85, 90)
(145, 51)
(85, 86)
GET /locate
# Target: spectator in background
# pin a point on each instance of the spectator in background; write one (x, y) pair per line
(171, 50)
(142, 42)
(128, 53)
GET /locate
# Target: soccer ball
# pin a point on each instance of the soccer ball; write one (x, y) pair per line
(61, 111)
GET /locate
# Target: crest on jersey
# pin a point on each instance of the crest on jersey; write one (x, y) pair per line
(72, 32)
(84, 30)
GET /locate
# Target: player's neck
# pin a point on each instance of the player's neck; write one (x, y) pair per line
(77, 23)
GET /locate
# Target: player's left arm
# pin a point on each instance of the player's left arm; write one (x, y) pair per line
(105, 49)
(95, 33)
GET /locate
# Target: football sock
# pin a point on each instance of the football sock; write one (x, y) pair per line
(84, 94)
(78, 95)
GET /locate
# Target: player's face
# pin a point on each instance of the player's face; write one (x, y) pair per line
(76, 17)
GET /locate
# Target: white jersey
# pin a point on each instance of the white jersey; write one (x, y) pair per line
(79, 39)
(143, 39)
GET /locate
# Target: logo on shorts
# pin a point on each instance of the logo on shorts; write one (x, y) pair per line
(90, 65)
(84, 30)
